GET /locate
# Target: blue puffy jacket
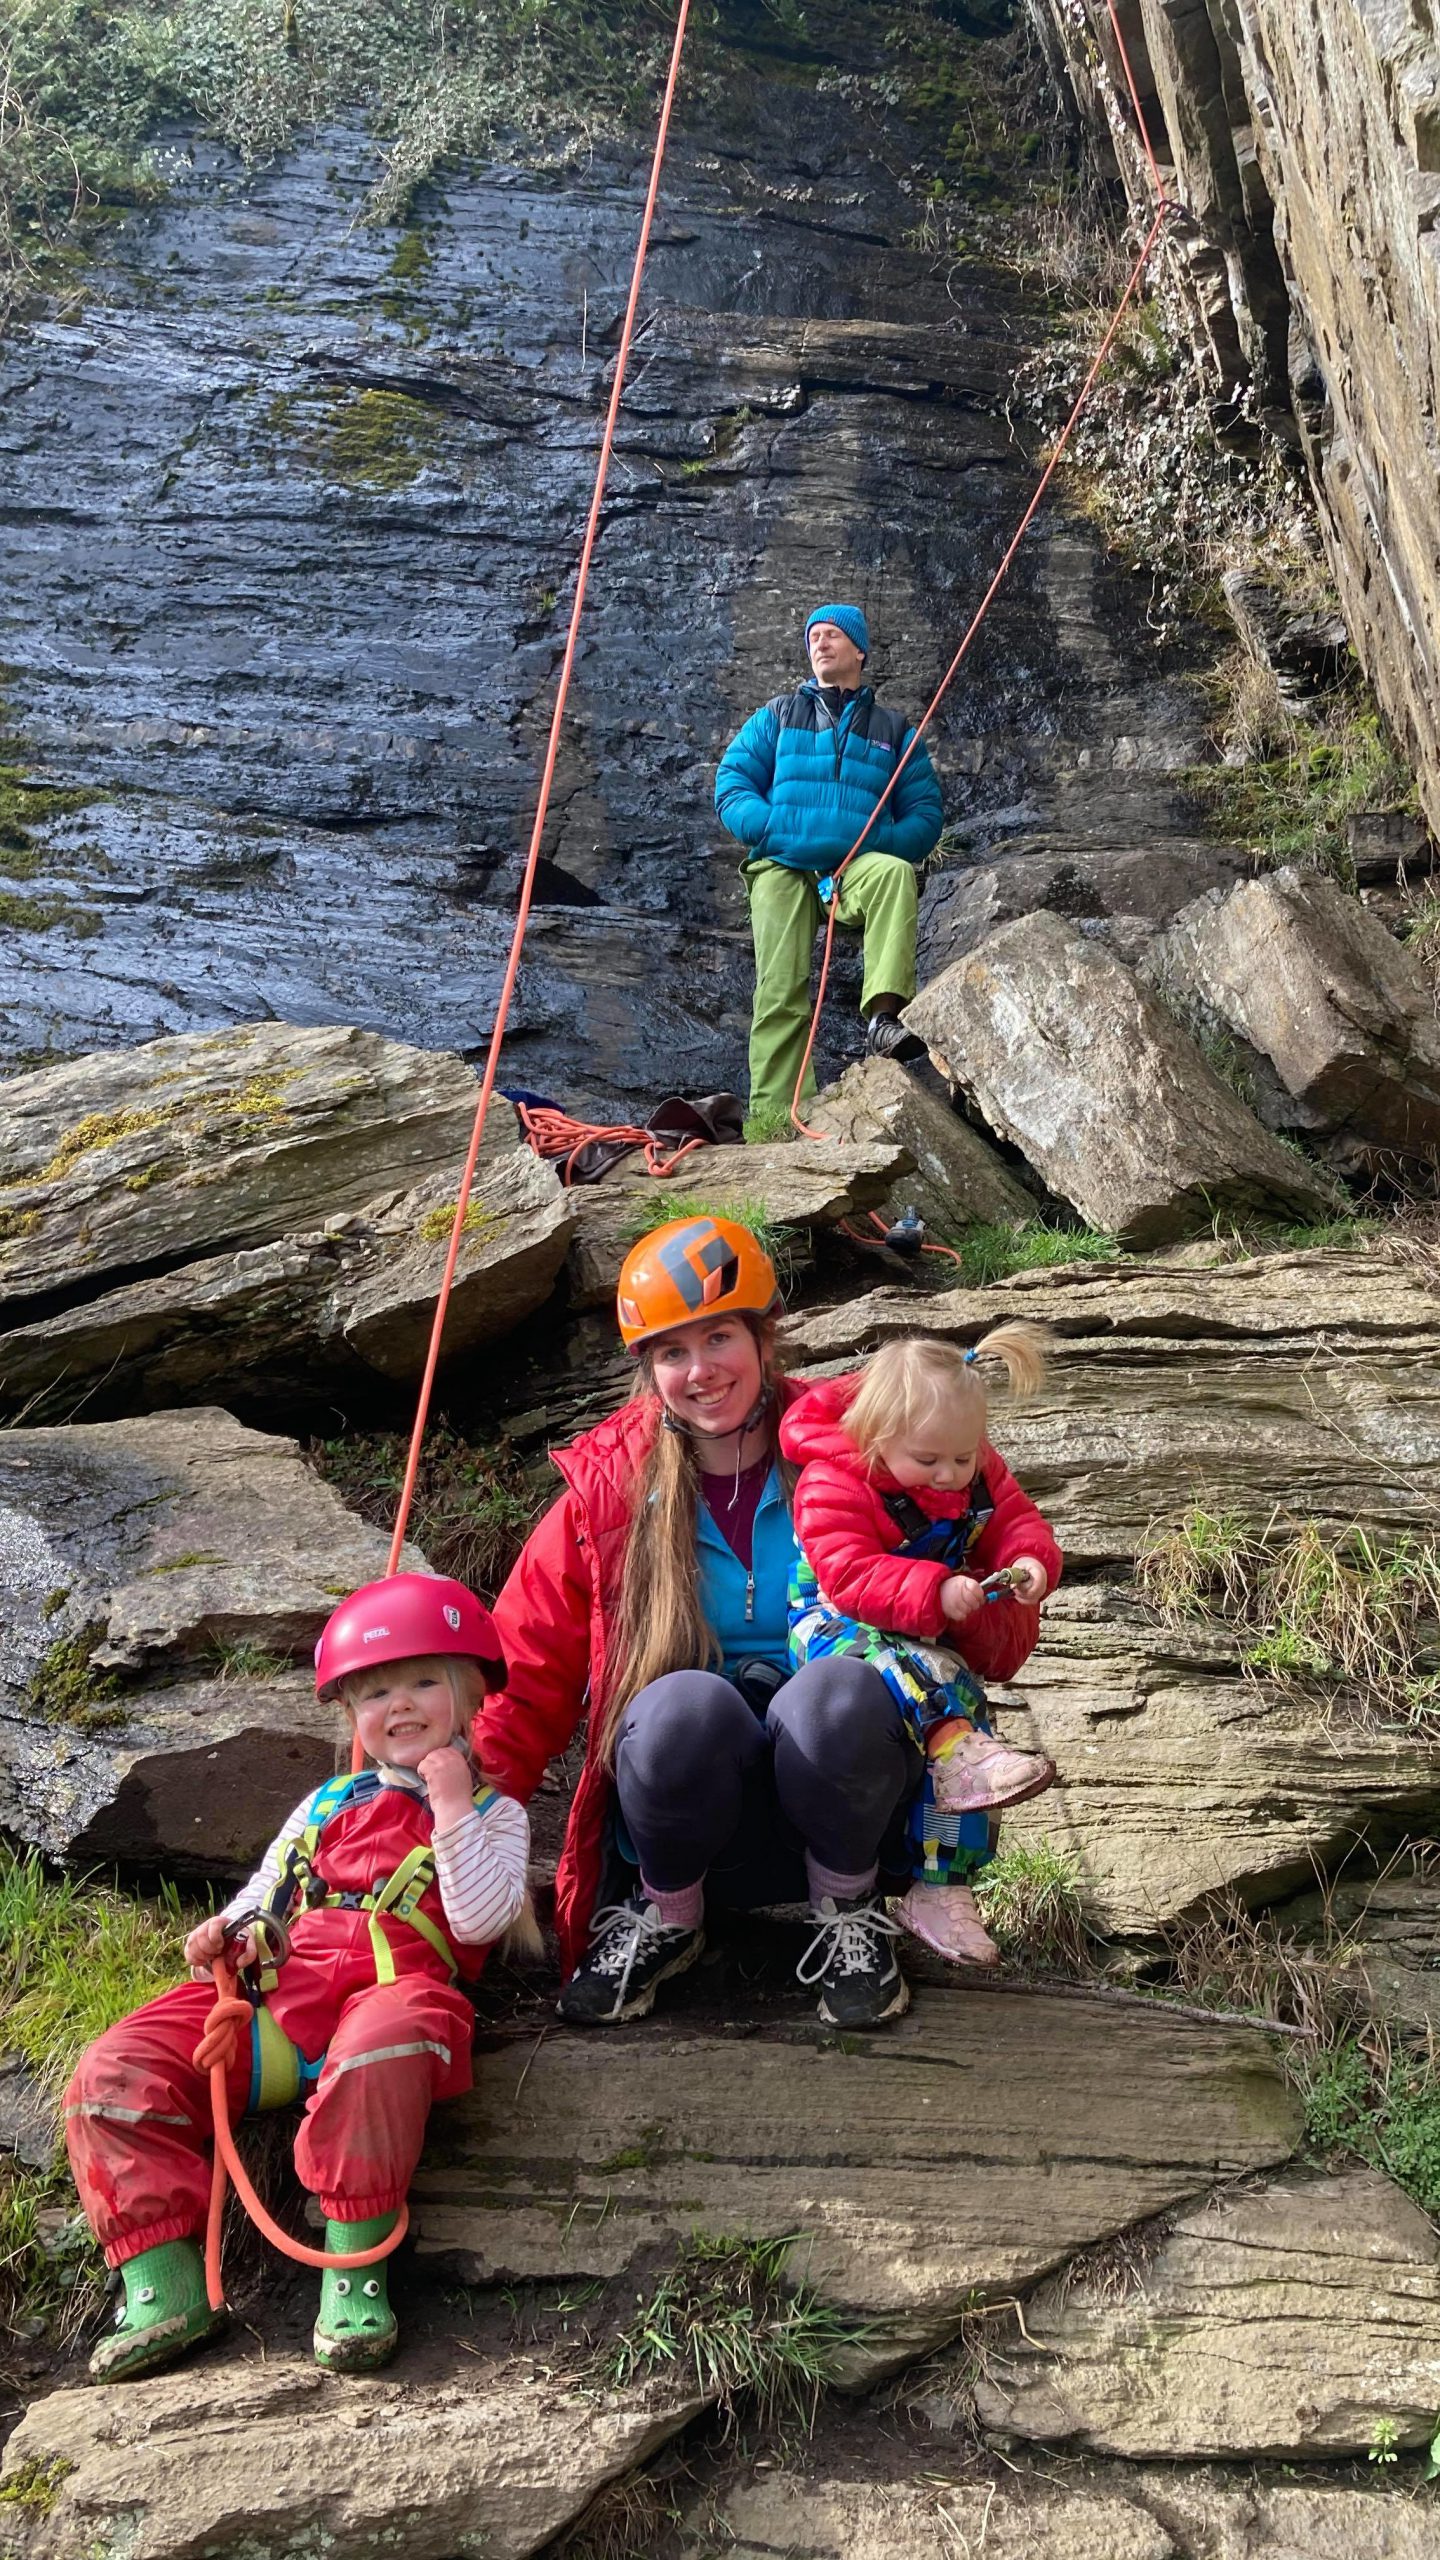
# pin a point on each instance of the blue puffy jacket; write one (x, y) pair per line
(799, 782)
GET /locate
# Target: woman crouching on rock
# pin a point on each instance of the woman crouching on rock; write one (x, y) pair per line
(671, 1551)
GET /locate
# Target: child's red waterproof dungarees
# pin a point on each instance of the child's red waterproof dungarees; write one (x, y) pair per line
(376, 2054)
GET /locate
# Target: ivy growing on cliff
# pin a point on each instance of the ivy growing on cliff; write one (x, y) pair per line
(86, 86)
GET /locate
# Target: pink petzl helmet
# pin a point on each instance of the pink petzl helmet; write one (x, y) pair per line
(407, 1614)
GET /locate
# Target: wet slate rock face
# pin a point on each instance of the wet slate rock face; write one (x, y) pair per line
(294, 580)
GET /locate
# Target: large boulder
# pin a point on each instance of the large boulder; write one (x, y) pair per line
(268, 2459)
(132, 1158)
(323, 1278)
(599, 2152)
(958, 1181)
(164, 1580)
(1331, 1018)
(1123, 893)
(1079, 1065)
(1280, 2321)
(795, 1184)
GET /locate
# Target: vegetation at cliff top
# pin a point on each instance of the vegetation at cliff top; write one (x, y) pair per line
(85, 84)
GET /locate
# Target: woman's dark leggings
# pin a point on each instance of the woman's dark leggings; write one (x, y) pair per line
(705, 1784)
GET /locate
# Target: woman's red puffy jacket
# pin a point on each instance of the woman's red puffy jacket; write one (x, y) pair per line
(556, 1617)
(851, 1539)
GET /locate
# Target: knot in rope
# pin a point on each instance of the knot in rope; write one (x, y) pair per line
(220, 2036)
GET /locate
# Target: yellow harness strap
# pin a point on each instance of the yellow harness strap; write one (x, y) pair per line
(398, 1898)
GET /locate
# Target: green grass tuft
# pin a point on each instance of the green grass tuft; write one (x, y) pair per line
(245, 1658)
(79, 1955)
(990, 1253)
(1296, 805)
(1330, 1610)
(1379, 2102)
(646, 1213)
(1029, 1898)
(773, 1121)
(725, 2318)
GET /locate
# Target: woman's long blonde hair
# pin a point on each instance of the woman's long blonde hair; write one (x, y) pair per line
(910, 1381)
(660, 1625)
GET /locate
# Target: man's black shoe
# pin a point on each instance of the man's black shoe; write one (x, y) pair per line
(630, 1955)
(887, 1037)
(852, 1958)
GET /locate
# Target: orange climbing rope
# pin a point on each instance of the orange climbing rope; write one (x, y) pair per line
(228, 2021)
(223, 2024)
(1164, 207)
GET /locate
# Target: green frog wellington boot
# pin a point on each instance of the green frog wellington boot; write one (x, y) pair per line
(356, 2329)
(165, 2311)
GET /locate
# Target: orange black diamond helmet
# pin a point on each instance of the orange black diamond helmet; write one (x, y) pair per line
(692, 1268)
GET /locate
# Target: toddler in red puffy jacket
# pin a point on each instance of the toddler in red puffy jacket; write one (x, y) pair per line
(923, 1555)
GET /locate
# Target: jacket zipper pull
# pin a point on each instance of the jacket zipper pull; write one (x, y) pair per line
(749, 1598)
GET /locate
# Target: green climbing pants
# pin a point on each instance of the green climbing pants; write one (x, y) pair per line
(879, 897)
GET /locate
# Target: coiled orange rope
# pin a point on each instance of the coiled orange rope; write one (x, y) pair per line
(553, 1134)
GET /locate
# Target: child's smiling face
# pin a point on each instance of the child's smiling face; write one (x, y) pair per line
(403, 1709)
(941, 1454)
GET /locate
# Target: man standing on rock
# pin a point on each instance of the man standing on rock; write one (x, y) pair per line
(795, 787)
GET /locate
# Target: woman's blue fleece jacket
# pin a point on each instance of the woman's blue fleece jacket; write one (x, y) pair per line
(798, 783)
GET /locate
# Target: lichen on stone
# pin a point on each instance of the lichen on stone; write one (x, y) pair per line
(435, 1226)
(67, 1689)
(377, 439)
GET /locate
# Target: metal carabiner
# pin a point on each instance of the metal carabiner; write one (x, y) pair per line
(272, 1937)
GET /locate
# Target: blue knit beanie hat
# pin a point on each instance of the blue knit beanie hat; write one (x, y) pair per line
(847, 618)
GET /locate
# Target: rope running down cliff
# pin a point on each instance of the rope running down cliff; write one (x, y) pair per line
(230, 2014)
(1164, 207)
(225, 2020)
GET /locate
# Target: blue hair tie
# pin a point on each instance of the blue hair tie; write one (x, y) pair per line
(971, 1356)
